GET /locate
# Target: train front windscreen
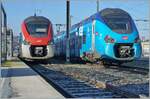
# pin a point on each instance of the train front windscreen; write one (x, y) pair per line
(119, 25)
(37, 29)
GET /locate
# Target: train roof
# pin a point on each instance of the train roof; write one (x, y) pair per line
(37, 18)
(111, 12)
(108, 12)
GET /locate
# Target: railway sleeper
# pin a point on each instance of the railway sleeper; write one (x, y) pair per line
(73, 86)
(80, 88)
(96, 95)
(69, 83)
(85, 91)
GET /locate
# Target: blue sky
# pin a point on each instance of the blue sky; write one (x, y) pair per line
(55, 10)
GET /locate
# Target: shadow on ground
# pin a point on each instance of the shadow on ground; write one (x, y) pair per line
(17, 72)
(135, 89)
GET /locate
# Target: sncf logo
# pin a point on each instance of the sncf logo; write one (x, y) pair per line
(125, 37)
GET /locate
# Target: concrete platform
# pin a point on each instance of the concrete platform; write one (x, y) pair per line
(21, 82)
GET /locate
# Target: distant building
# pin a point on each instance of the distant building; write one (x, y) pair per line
(15, 45)
(9, 43)
(3, 44)
(145, 48)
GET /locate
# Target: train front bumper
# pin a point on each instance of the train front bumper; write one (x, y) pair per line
(26, 52)
(111, 53)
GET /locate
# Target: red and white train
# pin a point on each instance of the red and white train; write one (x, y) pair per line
(36, 39)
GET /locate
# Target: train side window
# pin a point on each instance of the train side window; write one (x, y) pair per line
(84, 38)
(80, 41)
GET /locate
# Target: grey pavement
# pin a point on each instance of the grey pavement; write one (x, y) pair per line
(21, 82)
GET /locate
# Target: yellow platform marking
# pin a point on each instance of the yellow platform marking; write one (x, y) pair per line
(12, 63)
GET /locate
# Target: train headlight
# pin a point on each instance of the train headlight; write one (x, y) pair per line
(109, 39)
(137, 40)
(26, 42)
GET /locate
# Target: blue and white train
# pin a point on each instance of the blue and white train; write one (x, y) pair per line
(109, 35)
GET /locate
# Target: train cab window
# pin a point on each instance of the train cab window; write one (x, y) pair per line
(117, 20)
(37, 30)
(119, 25)
(80, 42)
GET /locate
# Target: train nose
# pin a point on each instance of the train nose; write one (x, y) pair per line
(38, 51)
(124, 50)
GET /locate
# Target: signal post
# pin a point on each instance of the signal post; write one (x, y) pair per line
(67, 30)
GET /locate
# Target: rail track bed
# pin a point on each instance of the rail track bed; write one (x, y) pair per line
(122, 80)
(86, 80)
(70, 87)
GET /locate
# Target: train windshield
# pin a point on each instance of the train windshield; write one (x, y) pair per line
(37, 29)
(119, 25)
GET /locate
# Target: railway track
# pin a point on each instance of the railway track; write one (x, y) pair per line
(65, 81)
(70, 87)
(142, 69)
(130, 68)
(135, 69)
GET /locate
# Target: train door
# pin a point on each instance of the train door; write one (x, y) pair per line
(93, 36)
(77, 43)
(73, 40)
(72, 45)
(88, 38)
(80, 40)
